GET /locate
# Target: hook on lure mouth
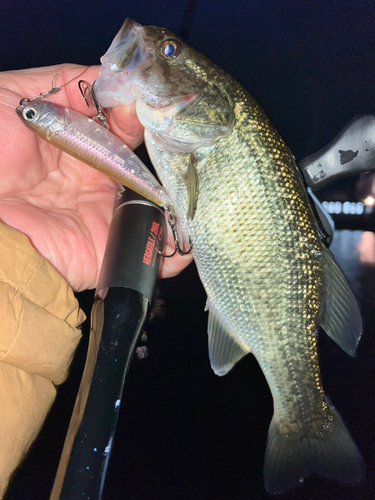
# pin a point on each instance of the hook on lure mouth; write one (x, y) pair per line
(88, 90)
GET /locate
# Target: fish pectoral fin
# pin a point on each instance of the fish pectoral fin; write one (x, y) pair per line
(223, 349)
(341, 318)
(192, 185)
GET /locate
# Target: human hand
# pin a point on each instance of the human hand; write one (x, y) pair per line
(64, 206)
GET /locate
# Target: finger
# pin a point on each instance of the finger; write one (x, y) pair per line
(173, 266)
(124, 123)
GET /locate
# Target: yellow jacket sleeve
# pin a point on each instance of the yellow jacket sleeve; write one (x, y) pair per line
(39, 320)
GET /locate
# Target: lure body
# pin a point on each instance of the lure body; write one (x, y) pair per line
(92, 144)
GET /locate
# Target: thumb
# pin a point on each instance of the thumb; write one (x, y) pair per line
(123, 122)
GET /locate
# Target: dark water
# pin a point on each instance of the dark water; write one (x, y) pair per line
(183, 432)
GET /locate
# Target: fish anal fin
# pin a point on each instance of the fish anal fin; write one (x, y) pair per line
(341, 318)
(224, 350)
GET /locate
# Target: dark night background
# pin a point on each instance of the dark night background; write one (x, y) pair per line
(184, 433)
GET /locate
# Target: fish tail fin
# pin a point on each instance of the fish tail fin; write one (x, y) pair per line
(289, 459)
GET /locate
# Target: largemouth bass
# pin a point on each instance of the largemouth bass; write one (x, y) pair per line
(240, 198)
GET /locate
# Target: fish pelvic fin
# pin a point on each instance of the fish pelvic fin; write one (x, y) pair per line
(330, 453)
(223, 349)
(341, 318)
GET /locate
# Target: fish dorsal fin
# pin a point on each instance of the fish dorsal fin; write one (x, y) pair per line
(192, 185)
(341, 318)
(223, 349)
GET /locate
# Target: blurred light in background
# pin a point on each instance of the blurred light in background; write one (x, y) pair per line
(347, 208)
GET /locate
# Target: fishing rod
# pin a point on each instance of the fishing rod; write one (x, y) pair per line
(125, 287)
(122, 298)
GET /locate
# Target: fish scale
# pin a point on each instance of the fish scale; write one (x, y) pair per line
(231, 241)
(269, 279)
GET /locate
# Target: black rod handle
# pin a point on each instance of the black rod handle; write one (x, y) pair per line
(122, 297)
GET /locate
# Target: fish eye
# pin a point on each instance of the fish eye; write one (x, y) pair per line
(29, 114)
(171, 49)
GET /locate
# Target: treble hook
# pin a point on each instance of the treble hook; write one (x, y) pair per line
(172, 221)
(100, 115)
(53, 89)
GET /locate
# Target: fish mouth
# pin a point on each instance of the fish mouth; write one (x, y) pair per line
(19, 110)
(117, 81)
(120, 63)
(124, 46)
